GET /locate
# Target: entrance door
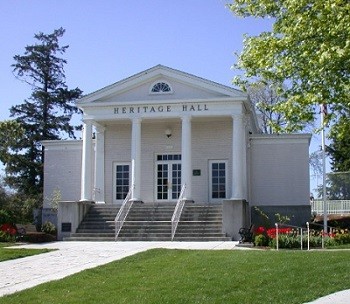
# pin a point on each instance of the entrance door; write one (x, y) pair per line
(217, 180)
(168, 177)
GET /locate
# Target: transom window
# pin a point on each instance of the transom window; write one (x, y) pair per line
(169, 157)
(161, 87)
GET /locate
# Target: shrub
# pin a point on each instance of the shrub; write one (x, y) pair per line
(342, 238)
(6, 237)
(38, 237)
(261, 240)
(49, 228)
(5, 217)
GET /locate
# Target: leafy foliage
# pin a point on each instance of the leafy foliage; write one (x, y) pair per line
(307, 51)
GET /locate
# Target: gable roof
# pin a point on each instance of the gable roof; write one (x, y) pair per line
(160, 71)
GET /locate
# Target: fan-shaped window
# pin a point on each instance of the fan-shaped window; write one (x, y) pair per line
(161, 87)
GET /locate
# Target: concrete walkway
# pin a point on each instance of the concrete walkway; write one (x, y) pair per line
(73, 257)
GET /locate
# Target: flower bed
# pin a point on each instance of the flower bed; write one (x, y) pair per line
(290, 238)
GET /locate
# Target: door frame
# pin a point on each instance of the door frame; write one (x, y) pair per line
(114, 180)
(169, 162)
(210, 179)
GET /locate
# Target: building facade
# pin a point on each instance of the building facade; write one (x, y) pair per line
(163, 131)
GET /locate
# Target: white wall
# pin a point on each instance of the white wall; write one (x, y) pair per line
(62, 170)
(211, 140)
(279, 170)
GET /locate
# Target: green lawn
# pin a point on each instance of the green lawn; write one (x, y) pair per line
(10, 254)
(180, 276)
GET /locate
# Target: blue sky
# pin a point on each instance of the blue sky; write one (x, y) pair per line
(113, 39)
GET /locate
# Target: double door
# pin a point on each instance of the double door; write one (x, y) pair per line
(168, 184)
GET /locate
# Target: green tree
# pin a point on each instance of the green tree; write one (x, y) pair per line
(338, 182)
(46, 115)
(307, 50)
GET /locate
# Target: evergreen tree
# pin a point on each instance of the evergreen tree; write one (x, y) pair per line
(46, 115)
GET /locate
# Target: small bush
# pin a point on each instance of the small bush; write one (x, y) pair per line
(261, 240)
(49, 228)
(342, 238)
(38, 237)
(6, 237)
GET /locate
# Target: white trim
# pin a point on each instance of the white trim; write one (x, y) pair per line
(159, 71)
(265, 139)
(62, 144)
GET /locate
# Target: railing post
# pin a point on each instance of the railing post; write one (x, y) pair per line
(308, 235)
(276, 236)
(301, 239)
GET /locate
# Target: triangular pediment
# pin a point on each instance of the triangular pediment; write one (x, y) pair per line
(179, 86)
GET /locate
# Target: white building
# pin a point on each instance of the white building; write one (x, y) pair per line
(161, 129)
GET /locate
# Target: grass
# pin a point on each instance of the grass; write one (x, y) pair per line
(180, 276)
(10, 254)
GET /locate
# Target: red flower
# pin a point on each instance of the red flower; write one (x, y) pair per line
(260, 230)
(8, 228)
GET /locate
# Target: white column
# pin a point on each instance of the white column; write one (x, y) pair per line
(86, 166)
(186, 156)
(238, 157)
(99, 182)
(136, 159)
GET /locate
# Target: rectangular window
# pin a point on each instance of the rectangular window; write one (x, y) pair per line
(217, 179)
(121, 181)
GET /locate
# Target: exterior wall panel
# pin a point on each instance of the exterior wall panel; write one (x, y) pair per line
(62, 170)
(117, 149)
(279, 170)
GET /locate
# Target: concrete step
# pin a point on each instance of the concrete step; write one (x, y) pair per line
(93, 234)
(202, 239)
(90, 239)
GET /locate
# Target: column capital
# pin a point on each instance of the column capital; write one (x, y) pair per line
(186, 118)
(136, 120)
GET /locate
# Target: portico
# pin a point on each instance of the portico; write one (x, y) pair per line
(93, 168)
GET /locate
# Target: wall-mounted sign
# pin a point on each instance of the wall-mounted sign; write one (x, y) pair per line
(160, 109)
(196, 172)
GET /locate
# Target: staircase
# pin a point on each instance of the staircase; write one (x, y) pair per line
(97, 225)
(201, 222)
(152, 222)
(148, 222)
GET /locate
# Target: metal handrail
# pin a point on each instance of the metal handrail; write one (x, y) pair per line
(177, 212)
(122, 213)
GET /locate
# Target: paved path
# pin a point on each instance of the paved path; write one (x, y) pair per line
(73, 257)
